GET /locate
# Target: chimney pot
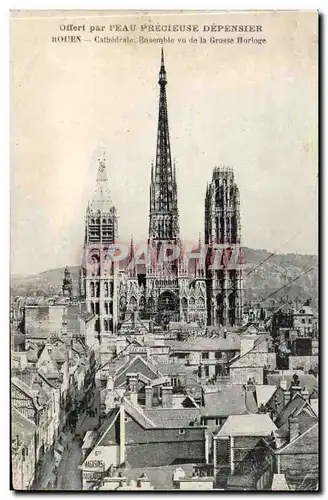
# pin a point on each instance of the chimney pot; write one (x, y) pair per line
(167, 396)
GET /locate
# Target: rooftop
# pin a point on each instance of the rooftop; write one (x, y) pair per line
(229, 400)
(247, 425)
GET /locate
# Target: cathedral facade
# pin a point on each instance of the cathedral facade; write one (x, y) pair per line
(166, 288)
(166, 291)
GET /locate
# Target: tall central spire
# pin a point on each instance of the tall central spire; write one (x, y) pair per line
(163, 223)
(163, 168)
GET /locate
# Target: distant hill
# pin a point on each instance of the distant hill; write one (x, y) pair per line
(258, 284)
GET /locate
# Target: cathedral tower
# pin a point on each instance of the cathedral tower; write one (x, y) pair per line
(162, 287)
(67, 287)
(98, 278)
(163, 213)
(223, 237)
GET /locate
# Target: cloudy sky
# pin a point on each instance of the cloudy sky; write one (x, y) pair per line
(250, 106)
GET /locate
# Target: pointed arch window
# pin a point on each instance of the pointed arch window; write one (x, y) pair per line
(92, 289)
(92, 307)
(97, 289)
(106, 308)
(106, 289)
(106, 325)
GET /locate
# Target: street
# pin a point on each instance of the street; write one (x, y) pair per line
(69, 476)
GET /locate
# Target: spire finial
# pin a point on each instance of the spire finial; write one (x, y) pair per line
(162, 74)
(162, 57)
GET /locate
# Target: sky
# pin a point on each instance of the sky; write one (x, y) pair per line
(250, 106)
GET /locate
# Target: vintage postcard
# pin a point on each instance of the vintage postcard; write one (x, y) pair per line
(164, 250)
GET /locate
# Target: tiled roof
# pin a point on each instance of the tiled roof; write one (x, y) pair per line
(247, 425)
(23, 387)
(307, 442)
(21, 426)
(172, 369)
(232, 342)
(229, 400)
(293, 408)
(172, 417)
(264, 393)
(95, 438)
(307, 381)
(138, 415)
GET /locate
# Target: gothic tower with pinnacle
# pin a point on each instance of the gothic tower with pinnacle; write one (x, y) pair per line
(223, 237)
(67, 286)
(98, 274)
(167, 282)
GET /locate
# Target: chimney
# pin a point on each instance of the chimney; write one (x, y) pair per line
(287, 397)
(167, 396)
(283, 384)
(293, 428)
(143, 482)
(201, 372)
(148, 396)
(133, 382)
(295, 389)
(250, 385)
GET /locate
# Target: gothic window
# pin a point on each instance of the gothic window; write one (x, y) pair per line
(92, 307)
(98, 221)
(122, 302)
(92, 221)
(192, 301)
(97, 325)
(106, 289)
(97, 307)
(111, 308)
(97, 289)
(105, 325)
(104, 221)
(142, 303)
(133, 302)
(92, 289)
(111, 289)
(95, 265)
(106, 308)
(200, 303)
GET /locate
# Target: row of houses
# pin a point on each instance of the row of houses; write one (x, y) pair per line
(159, 415)
(47, 383)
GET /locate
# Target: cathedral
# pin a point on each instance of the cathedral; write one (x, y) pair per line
(162, 290)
